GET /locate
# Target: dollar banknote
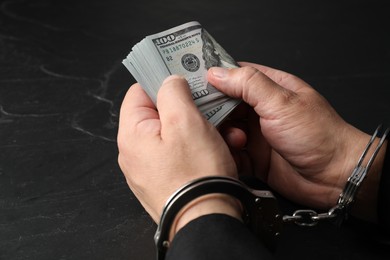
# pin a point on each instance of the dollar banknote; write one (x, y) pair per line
(187, 50)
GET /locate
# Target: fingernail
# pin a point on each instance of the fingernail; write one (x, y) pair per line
(219, 72)
(173, 77)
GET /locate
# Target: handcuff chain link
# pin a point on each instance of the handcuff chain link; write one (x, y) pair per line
(309, 217)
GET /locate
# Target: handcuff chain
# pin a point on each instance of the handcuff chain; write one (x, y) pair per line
(309, 217)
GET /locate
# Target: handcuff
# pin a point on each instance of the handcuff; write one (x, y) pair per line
(261, 213)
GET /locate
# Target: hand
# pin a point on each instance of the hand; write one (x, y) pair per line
(295, 140)
(163, 148)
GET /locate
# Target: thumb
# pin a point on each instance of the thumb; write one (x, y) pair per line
(176, 107)
(254, 87)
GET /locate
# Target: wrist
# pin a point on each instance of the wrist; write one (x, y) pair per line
(205, 205)
(364, 204)
(348, 151)
(366, 199)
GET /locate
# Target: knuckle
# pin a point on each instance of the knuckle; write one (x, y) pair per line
(290, 97)
(121, 141)
(250, 80)
(120, 161)
(281, 78)
(250, 75)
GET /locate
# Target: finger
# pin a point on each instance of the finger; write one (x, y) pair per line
(176, 107)
(258, 147)
(137, 108)
(280, 77)
(254, 87)
(136, 97)
(235, 137)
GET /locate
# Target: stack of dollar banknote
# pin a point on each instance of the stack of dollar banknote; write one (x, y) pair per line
(189, 51)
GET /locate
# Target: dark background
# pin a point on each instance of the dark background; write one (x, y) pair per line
(62, 195)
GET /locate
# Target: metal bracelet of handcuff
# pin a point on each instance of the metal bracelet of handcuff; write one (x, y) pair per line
(261, 211)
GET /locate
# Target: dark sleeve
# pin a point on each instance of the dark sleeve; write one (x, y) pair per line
(384, 195)
(216, 236)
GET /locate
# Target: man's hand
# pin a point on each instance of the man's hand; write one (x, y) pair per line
(163, 148)
(295, 141)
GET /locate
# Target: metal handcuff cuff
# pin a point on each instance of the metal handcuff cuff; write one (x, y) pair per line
(261, 211)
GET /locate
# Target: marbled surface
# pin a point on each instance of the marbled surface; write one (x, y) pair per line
(62, 195)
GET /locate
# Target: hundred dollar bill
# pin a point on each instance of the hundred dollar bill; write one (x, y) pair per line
(187, 50)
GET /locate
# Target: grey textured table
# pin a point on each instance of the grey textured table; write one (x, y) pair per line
(62, 195)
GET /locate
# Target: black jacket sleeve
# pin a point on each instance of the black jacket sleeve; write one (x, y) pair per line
(219, 236)
(216, 236)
